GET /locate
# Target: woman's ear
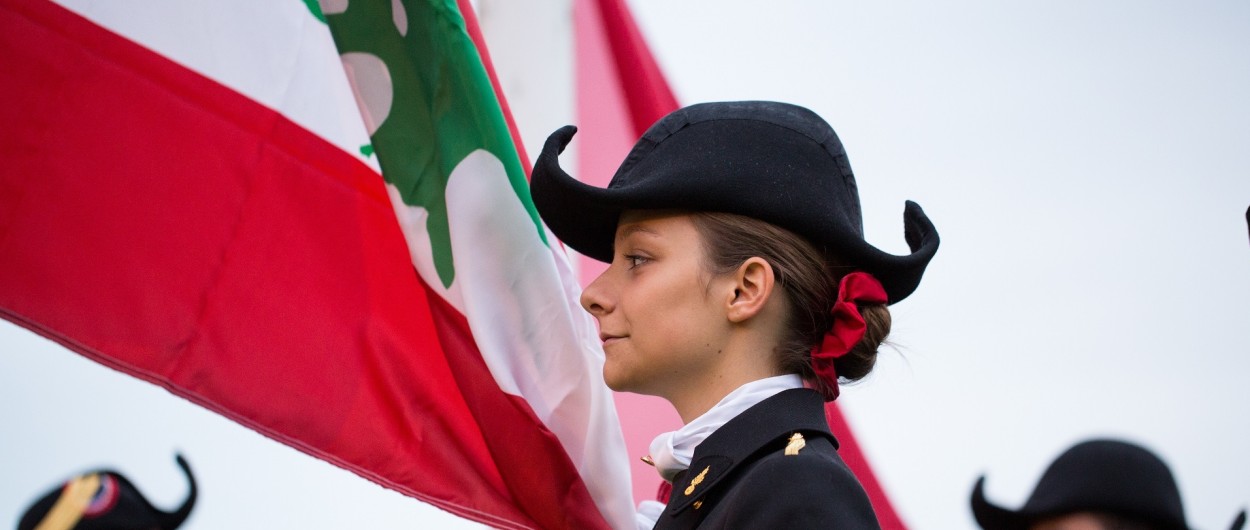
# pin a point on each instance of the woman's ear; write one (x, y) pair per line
(753, 286)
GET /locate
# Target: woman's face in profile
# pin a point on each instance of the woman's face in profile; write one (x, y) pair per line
(656, 306)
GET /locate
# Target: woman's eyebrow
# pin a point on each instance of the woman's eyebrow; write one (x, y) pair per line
(633, 229)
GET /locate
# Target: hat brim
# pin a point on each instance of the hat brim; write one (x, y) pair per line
(993, 517)
(585, 217)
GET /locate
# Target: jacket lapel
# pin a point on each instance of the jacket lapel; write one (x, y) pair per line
(743, 439)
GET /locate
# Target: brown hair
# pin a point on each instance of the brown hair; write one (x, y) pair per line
(809, 279)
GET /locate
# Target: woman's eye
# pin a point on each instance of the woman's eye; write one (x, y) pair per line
(635, 260)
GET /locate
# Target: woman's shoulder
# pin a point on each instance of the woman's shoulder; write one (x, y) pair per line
(810, 486)
(775, 464)
(814, 470)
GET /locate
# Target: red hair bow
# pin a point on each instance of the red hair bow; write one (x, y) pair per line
(848, 326)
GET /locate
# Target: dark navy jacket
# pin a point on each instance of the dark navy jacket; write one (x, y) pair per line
(740, 476)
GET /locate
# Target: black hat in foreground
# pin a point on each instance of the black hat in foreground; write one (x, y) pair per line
(771, 161)
(1105, 476)
(102, 500)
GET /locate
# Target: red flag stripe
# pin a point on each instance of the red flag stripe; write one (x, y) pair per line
(853, 455)
(540, 474)
(646, 92)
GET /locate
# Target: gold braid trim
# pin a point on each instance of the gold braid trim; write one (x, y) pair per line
(75, 498)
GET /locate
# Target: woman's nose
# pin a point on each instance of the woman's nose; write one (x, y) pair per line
(595, 298)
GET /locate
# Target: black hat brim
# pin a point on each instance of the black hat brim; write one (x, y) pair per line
(993, 517)
(585, 217)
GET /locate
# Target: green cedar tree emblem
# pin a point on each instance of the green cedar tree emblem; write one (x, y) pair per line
(442, 106)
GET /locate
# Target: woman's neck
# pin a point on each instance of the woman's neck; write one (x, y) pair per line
(696, 397)
(775, 382)
(748, 353)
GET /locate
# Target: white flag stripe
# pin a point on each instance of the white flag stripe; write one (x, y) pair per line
(276, 53)
(522, 306)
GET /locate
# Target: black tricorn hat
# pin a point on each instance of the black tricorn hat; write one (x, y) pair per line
(775, 162)
(1107, 476)
(105, 499)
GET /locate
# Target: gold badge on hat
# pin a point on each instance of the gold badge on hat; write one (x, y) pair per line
(74, 500)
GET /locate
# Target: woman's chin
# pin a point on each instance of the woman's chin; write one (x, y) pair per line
(615, 381)
(620, 380)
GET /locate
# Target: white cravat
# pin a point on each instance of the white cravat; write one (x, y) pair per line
(672, 451)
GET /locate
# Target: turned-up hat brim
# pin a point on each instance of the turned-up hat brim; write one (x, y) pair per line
(119, 505)
(770, 161)
(1107, 476)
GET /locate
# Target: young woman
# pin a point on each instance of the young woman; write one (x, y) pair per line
(741, 290)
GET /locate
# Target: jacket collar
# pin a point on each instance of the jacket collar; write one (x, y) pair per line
(790, 411)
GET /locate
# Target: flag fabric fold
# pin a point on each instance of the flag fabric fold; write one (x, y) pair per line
(226, 235)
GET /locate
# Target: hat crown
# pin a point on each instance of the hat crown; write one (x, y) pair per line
(1113, 476)
(798, 119)
(775, 162)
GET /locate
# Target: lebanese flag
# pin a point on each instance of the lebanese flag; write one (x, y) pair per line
(316, 223)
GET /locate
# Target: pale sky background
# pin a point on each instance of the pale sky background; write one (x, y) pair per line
(1087, 164)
